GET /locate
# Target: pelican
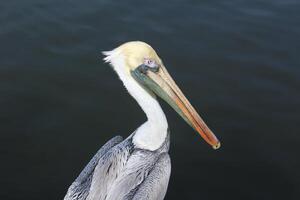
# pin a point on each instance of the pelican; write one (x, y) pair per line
(138, 167)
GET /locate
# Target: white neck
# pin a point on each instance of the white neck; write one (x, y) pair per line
(153, 132)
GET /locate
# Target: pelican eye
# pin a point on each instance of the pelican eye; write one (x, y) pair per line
(151, 64)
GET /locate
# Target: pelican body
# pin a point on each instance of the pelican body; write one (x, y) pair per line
(138, 167)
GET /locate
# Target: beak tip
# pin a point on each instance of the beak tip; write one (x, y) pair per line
(217, 146)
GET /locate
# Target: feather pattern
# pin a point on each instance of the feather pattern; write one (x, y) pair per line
(119, 170)
(80, 187)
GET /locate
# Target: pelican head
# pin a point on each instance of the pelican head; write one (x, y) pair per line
(137, 61)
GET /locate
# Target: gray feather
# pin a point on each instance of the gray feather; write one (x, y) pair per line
(81, 186)
(108, 169)
(156, 184)
(123, 172)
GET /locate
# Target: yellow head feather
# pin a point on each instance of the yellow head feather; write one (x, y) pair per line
(133, 53)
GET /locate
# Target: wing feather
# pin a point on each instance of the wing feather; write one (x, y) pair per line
(156, 183)
(79, 189)
(108, 169)
(119, 171)
(145, 176)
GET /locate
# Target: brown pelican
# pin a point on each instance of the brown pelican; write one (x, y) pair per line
(138, 167)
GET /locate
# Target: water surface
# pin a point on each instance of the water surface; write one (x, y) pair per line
(236, 60)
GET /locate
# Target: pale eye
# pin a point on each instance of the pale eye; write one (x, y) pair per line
(150, 63)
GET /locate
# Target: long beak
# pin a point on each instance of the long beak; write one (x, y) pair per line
(161, 83)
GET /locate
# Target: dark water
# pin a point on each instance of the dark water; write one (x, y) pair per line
(236, 60)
